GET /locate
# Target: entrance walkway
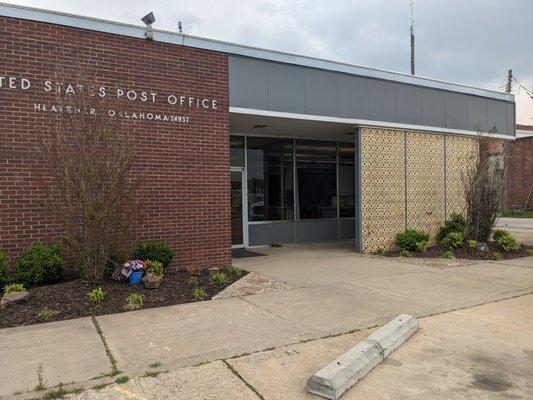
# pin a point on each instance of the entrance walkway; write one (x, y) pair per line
(334, 291)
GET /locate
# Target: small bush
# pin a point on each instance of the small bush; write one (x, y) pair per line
(472, 244)
(219, 277)
(155, 251)
(407, 240)
(5, 270)
(231, 269)
(40, 264)
(448, 254)
(155, 267)
(46, 314)
(497, 256)
(404, 253)
(422, 246)
(529, 252)
(498, 233)
(14, 287)
(453, 240)
(456, 223)
(96, 295)
(380, 251)
(134, 302)
(199, 293)
(507, 242)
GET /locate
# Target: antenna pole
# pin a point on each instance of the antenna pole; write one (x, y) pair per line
(509, 85)
(412, 40)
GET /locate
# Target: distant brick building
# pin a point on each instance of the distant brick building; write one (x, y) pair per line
(520, 178)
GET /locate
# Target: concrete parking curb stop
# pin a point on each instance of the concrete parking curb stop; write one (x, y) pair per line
(344, 372)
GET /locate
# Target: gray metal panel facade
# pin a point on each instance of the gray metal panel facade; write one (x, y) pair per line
(266, 234)
(409, 104)
(433, 107)
(269, 85)
(317, 230)
(286, 88)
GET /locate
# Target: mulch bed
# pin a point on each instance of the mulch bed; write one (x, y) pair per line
(69, 299)
(463, 252)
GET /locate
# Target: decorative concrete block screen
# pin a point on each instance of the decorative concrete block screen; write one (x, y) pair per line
(410, 180)
(383, 186)
(425, 181)
(461, 154)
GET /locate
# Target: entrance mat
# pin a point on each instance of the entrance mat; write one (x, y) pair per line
(243, 253)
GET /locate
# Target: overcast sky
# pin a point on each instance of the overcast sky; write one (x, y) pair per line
(466, 41)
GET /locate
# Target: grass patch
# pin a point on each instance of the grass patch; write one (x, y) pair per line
(511, 214)
(156, 364)
(41, 384)
(122, 379)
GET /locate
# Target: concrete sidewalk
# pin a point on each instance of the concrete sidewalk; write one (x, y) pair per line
(335, 291)
(484, 352)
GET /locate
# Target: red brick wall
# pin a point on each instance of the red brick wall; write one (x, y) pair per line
(186, 166)
(520, 177)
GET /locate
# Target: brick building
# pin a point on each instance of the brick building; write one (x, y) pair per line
(520, 175)
(243, 146)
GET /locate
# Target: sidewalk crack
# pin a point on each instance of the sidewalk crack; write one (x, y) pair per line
(249, 386)
(109, 354)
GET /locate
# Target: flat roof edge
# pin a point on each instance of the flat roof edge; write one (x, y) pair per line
(100, 25)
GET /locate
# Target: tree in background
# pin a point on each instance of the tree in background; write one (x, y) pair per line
(485, 189)
(91, 156)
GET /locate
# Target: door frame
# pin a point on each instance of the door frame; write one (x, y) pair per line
(244, 189)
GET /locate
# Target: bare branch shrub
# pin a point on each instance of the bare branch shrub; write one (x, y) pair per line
(484, 187)
(91, 156)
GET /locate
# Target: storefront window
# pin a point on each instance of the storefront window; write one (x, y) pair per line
(346, 181)
(236, 151)
(270, 179)
(317, 179)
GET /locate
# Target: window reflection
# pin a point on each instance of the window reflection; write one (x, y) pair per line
(270, 179)
(317, 179)
(346, 181)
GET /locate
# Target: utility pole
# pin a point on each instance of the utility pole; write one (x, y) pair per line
(509, 85)
(412, 40)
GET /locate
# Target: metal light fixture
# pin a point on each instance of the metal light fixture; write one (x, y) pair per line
(180, 27)
(149, 19)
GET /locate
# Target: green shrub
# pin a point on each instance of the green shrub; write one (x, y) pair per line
(507, 242)
(456, 223)
(14, 287)
(134, 302)
(448, 254)
(219, 277)
(529, 252)
(496, 256)
(40, 264)
(155, 251)
(497, 233)
(407, 240)
(404, 253)
(472, 244)
(422, 246)
(96, 295)
(380, 251)
(155, 267)
(453, 240)
(199, 293)
(5, 270)
(46, 314)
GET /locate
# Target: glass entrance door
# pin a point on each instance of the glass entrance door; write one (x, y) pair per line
(238, 216)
